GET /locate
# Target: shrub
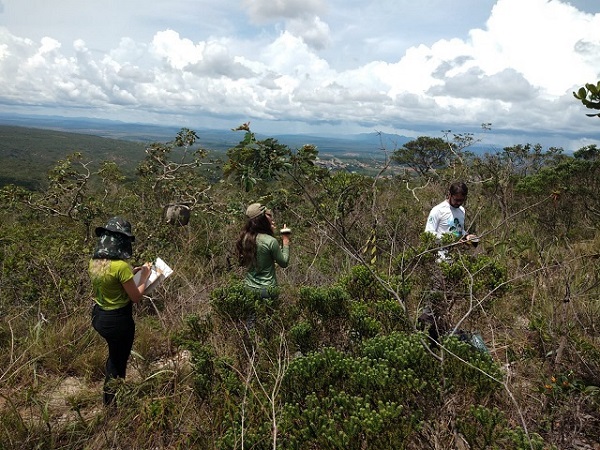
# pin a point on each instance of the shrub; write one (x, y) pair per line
(327, 303)
(303, 337)
(361, 283)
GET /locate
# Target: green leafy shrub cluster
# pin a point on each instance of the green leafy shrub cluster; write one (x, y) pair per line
(377, 398)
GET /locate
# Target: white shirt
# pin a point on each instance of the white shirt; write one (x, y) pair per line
(444, 218)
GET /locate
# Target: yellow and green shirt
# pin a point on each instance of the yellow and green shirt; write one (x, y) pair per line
(107, 278)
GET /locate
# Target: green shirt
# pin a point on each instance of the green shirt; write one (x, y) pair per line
(268, 252)
(107, 278)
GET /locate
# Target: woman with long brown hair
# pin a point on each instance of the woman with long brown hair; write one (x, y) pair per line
(259, 251)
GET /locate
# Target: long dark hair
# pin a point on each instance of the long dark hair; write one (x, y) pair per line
(246, 243)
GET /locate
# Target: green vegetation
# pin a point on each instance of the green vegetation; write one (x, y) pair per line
(337, 360)
(589, 96)
(28, 153)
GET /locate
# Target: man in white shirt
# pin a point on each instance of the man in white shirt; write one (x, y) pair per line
(449, 217)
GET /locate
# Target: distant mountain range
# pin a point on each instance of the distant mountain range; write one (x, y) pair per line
(355, 145)
(364, 145)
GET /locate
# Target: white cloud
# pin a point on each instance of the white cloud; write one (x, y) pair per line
(176, 51)
(538, 38)
(290, 55)
(314, 32)
(516, 70)
(505, 86)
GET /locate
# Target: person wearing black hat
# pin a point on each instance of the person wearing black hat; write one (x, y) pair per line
(114, 292)
(258, 250)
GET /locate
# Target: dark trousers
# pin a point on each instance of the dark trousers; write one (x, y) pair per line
(434, 318)
(118, 329)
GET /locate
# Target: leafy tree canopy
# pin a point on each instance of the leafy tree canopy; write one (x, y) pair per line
(253, 160)
(424, 155)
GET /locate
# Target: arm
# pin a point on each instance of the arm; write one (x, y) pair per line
(281, 255)
(136, 292)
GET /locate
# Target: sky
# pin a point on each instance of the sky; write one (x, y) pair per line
(318, 67)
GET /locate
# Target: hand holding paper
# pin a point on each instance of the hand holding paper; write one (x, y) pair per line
(159, 270)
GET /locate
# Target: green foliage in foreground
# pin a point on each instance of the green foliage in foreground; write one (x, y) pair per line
(379, 395)
(336, 358)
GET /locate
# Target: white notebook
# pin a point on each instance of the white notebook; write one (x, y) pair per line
(158, 272)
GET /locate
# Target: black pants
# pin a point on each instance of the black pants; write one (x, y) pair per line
(118, 329)
(435, 316)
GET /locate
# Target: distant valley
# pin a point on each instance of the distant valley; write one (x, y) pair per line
(30, 146)
(356, 145)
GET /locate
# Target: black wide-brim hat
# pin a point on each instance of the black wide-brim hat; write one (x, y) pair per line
(116, 225)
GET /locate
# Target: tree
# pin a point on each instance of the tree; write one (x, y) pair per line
(589, 95)
(252, 160)
(425, 154)
(588, 153)
(499, 171)
(573, 184)
(175, 182)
